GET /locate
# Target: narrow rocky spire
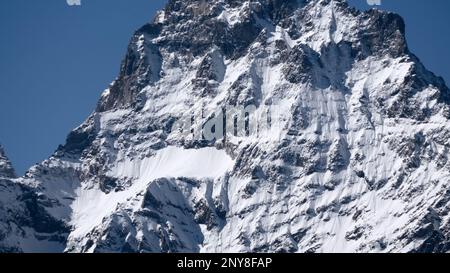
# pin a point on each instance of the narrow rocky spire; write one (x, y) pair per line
(6, 169)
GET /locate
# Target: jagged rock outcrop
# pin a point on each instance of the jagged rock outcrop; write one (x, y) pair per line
(357, 160)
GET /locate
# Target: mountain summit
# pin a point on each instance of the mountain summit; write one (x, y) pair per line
(342, 147)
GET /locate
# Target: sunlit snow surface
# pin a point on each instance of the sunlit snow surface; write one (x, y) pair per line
(92, 205)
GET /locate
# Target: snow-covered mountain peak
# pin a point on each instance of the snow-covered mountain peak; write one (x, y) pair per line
(356, 160)
(238, 28)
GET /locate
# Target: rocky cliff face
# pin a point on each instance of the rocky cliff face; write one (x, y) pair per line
(356, 162)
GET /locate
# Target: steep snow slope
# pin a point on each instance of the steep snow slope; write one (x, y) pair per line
(357, 160)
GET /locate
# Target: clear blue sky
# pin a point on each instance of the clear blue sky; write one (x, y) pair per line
(55, 60)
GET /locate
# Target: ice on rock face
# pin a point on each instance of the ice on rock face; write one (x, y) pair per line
(357, 162)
